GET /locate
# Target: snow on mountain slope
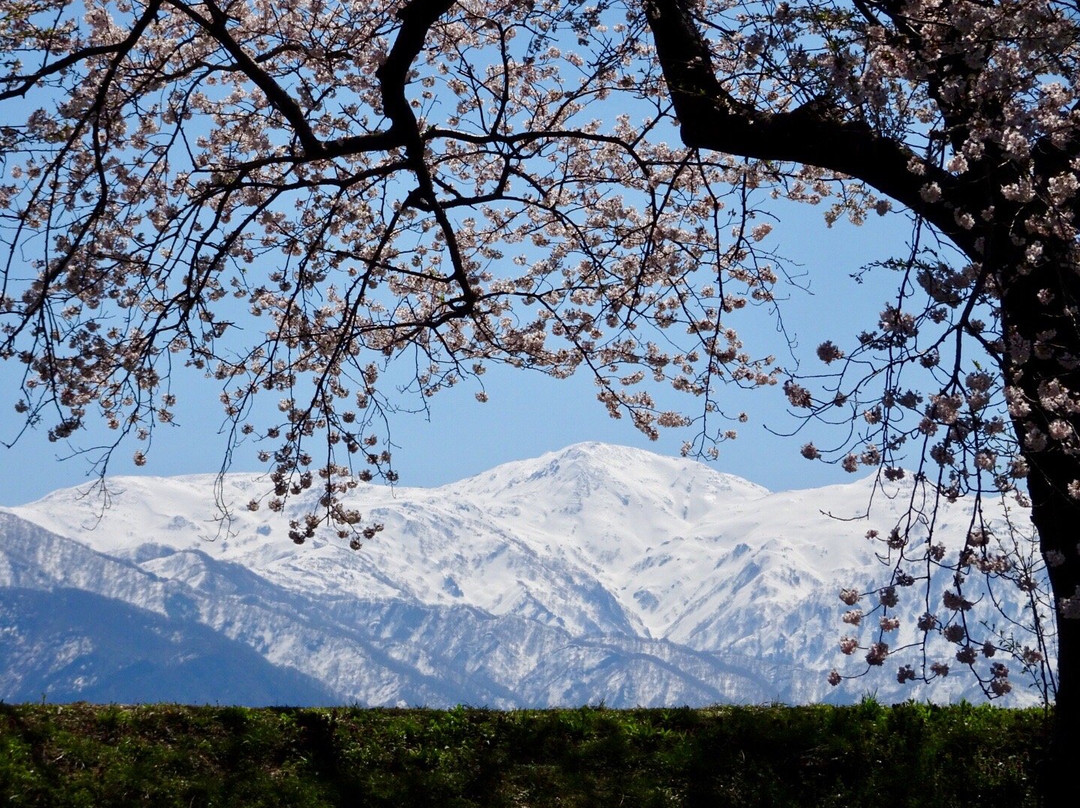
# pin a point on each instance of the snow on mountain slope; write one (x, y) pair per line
(595, 573)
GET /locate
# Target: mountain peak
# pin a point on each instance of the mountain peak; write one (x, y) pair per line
(592, 465)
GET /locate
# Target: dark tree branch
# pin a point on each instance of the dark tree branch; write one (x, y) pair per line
(812, 134)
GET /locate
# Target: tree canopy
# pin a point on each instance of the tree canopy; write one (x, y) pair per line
(569, 187)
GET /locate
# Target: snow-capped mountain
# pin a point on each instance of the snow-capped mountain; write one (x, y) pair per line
(598, 573)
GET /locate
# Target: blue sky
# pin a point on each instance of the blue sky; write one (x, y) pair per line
(528, 414)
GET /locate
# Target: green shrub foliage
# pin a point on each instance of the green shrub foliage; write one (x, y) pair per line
(166, 755)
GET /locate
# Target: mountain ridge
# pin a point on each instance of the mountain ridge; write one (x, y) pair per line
(597, 573)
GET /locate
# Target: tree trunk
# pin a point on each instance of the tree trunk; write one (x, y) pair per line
(1057, 517)
(1038, 318)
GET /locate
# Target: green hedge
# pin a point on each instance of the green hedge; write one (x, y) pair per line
(168, 755)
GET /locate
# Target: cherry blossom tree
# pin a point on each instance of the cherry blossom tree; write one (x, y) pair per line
(964, 113)
(567, 187)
